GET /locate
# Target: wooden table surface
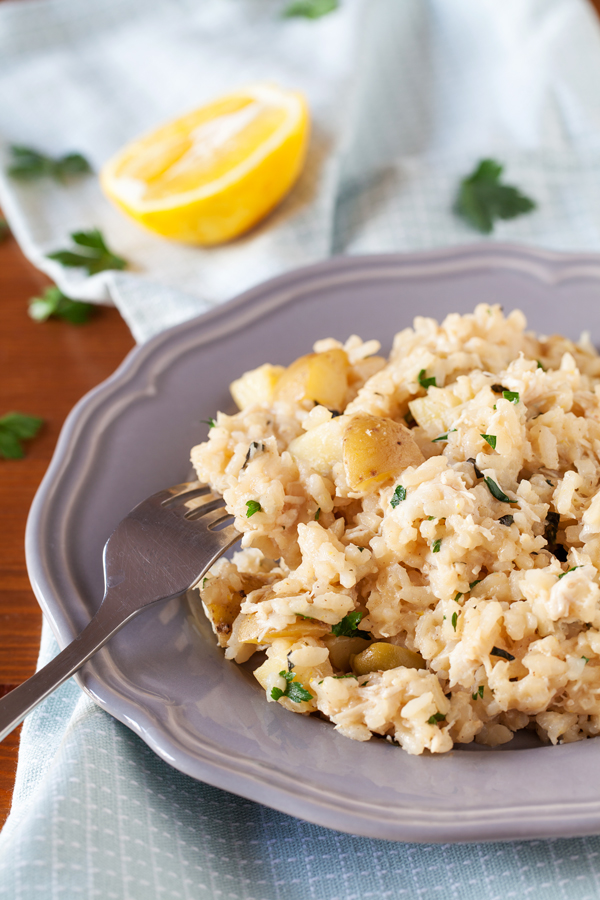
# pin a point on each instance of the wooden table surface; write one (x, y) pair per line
(45, 368)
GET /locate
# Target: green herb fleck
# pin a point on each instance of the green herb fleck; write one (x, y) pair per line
(310, 9)
(317, 514)
(436, 545)
(457, 597)
(540, 366)
(27, 164)
(204, 580)
(587, 659)
(498, 651)
(430, 518)
(294, 690)
(398, 495)
(94, 255)
(572, 569)
(495, 490)
(210, 422)
(347, 675)
(506, 520)
(410, 419)
(309, 618)
(436, 717)
(511, 396)
(490, 439)
(443, 437)
(253, 506)
(454, 620)
(478, 693)
(473, 583)
(348, 627)
(424, 381)
(14, 428)
(54, 303)
(482, 198)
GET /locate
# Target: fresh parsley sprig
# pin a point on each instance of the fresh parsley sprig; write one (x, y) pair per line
(27, 164)
(14, 428)
(54, 303)
(293, 689)
(310, 9)
(94, 255)
(252, 506)
(398, 496)
(482, 198)
(348, 627)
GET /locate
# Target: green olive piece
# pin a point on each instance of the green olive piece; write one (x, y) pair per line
(342, 649)
(381, 656)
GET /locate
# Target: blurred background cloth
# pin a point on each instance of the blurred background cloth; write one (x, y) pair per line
(406, 97)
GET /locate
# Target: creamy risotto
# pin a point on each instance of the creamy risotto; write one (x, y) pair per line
(421, 546)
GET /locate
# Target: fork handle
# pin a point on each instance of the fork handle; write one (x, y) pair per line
(22, 699)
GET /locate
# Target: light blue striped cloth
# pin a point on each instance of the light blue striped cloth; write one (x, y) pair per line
(406, 96)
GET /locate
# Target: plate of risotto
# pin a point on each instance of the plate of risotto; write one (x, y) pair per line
(406, 642)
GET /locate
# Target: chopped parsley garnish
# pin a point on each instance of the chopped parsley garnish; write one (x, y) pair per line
(506, 520)
(473, 583)
(310, 9)
(457, 597)
(309, 618)
(424, 381)
(253, 506)
(478, 693)
(94, 255)
(498, 651)
(347, 675)
(454, 619)
(436, 545)
(511, 396)
(54, 303)
(430, 518)
(210, 422)
(398, 495)
(483, 198)
(587, 659)
(253, 450)
(490, 439)
(572, 569)
(348, 627)
(540, 366)
(14, 428)
(443, 437)
(204, 580)
(317, 514)
(478, 472)
(495, 491)
(28, 164)
(436, 717)
(293, 690)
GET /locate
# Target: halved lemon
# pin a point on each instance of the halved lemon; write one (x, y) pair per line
(210, 175)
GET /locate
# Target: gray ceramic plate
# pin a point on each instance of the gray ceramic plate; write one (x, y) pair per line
(169, 683)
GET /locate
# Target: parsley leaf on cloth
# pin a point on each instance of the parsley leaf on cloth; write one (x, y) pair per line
(14, 428)
(348, 627)
(27, 165)
(482, 198)
(54, 303)
(94, 255)
(310, 9)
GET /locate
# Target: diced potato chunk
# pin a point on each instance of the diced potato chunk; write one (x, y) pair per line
(257, 386)
(250, 632)
(381, 656)
(321, 377)
(322, 446)
(376, 449)
(436, 411)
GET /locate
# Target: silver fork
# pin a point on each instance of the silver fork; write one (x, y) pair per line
(160, 550)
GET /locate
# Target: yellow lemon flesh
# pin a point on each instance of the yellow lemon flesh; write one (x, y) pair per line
(212, 174)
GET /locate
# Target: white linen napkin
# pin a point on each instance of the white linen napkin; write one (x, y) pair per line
(405, 98)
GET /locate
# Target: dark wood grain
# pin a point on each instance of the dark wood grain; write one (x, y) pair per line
(45, 368)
